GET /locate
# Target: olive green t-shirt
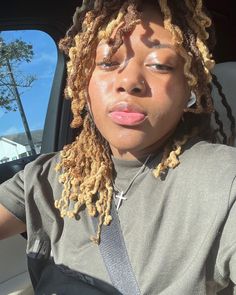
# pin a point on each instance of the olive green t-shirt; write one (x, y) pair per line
(179, 231)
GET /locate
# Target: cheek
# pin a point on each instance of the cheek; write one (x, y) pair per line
(101, 81)
(169, 99)
(177, 91)
(98, 90)
(99, 98)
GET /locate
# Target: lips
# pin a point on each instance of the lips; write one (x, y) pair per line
(126, 114)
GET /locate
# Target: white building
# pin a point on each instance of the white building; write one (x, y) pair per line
(16, 146)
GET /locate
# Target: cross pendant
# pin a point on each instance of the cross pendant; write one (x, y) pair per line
(120, 197)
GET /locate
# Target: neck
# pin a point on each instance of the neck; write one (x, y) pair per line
(129, 156)
(139, 154)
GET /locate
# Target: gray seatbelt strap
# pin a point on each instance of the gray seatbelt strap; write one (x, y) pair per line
(115, 256)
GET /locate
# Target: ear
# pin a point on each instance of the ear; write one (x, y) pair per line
(192, 99)
(89, 110)
(88, 107)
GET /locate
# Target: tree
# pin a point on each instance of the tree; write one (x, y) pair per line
(11, 55)
(11, 79)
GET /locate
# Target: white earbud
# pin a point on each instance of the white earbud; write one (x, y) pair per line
(191, 100)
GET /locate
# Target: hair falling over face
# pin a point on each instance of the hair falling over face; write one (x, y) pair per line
(86, 167)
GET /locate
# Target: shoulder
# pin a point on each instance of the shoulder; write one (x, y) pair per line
(45, 159)
(207, 164)
(45, 163)
(42, 169)
(210, 156)
(207, 172)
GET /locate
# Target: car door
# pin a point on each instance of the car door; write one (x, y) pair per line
(38, 122)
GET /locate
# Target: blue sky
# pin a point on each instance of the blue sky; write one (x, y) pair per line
(34, 99)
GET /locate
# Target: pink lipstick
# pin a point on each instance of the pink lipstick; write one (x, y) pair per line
(127, 118)
(127, 114)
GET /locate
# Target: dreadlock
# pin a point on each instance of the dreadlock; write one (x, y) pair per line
(85, 165)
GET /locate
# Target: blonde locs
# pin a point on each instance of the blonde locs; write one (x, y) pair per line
(195, 48)
(190, 35)
(85, 165)
(86, 170)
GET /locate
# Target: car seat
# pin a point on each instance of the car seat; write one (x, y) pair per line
(226, 75)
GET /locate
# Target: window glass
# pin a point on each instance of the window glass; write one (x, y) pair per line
(27, 64)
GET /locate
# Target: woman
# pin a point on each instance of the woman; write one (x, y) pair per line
(139, 78)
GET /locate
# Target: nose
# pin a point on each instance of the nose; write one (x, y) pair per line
(130, 80)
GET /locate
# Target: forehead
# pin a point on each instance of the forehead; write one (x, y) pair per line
(150, 31)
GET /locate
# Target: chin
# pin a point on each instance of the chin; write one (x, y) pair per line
(127, 145)
(129, 141)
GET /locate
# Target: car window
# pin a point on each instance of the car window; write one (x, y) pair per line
(28, 61)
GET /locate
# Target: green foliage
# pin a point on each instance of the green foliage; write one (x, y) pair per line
(12, 54)
(17, 50)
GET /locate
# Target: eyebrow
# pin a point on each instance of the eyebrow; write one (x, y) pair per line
(160, 45)
(151, 44)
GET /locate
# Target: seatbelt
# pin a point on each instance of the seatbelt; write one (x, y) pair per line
(115, 256)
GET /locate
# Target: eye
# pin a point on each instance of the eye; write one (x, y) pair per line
(160, 68)
(107, 66)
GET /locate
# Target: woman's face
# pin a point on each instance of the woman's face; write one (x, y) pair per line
(138, 99)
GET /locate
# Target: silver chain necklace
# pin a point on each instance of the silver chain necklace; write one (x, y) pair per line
(120, 194)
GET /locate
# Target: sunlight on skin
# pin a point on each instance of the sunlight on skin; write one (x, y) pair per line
(136, 123)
